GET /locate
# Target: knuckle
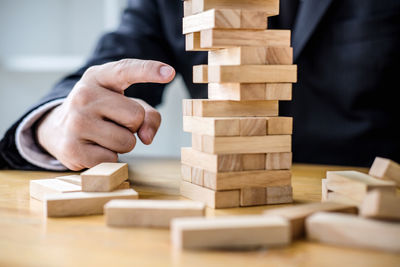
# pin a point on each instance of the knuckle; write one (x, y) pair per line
(83, 95)
(120, 71)
(129, 143)
(155, 117)
(136, 117)
(91, 70)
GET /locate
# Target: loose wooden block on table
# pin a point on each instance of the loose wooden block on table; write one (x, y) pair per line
(213, 199)
(228, 108)
(385, 169)
(271, 7)
(73, 179)
(225, 19)
(217, 38)
(149, 213)
(353, 231)
(278, 161)
(38, 189)
(379, 205)
(104, 177)
(229, 232)
(82, 203)
(339, 198)
(297, 215)
(279, 194)
(252, 196)
(355, 184)
(211, 126)
(279, 125)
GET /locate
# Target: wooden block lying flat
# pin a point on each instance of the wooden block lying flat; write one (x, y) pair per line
(353, 231)
(379, 205)
(38, 189)
(124, 185)
(251, 55)
(73, 179)
(278, 91)
(253, 126)
(216, 38)
(192, 42)
(269, 6)
(355, 184)
(237, 180)
(229, 232)
(213, 199)
(339, 198)
(200, 74)
(279, 194)
(149, 213)
(252, 196)
(225, 19)
(187, 8)
(187, 107)
(82, 203)
(385, 169)
(278, 161)
(252, 162)
(251, 74)
(227, 108)
(197, 176)
(280, 125)
(186, 172)
(211, 126)
(104, 177)
(298, 214)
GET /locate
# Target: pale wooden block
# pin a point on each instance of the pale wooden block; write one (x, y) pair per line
(252, 196)
(124, 185)
(279, 194)
(236, 91)
(211, 126)
(353, 231)
(278, 161)
(229, 232)
(355, 184)
(379, 205)
(213, 199)
(219, 38)
(82, 203)
(73, 179)
(252, 162)
(278, 91)
(186, 172)
(324, 190)
(200, 74)
(149, 213)
(297, 214)
(38, 189)
(225, 19)
(271, 7)
(253, 126)
(197, 176)
(104, 177)
(339, 198)
(252, 74)
(192, 42)
(246, 144)
(228, 108)
(187, 107)
(241, 179)
(187, 8)
(197, 142)
(385, 169)
(279, 125)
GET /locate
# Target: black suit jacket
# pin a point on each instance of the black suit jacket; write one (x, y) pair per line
(344, 104)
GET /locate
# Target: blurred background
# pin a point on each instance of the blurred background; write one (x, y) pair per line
(43, 40)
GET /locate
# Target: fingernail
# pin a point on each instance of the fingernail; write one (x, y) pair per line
(166, 71)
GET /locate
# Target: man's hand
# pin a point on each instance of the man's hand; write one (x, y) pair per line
(97, 121)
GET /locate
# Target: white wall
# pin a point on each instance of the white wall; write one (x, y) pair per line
(43, 40)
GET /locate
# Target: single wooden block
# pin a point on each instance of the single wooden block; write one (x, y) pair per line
(253, 126)
(353, 231)
(251, 74)
(217, 38)
(324, 190)
(279, 194)
(38, 189)
(186, 172)
(197, 176)
(237, 91)
(192, 42)
(251, 55)
(104, 177)
(278, 161)
(278, 91)
(73, 179)
(187, 8)
(252, 196)
(242, 179)
(246, 144)
(225, 19)
(187, 107)
(229, 232)
(149, 213)
(82, 203)
(211, 126)
(379, 205)
(339, 198)
(200, 74)
(271, 7)
(297, 214)
(355, 184)
(279, 125)
(251, 162)
(386, 169)
(228, 108)
(213, 199)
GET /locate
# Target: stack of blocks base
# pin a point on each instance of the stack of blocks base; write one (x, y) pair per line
(241, 148)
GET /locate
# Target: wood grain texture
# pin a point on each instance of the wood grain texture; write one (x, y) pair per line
(269, 6)
(278, 161)
(279, 194)
(385, 169)
(379, 205)
(253, 126)
(279, 125)
(200, 74)
(212, 126)
(278, 91)
(252, 196)
(192, 42)
(252, 162)
(197, 176)
(104, 177)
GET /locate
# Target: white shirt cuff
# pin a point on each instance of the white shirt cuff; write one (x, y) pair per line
(25, 142)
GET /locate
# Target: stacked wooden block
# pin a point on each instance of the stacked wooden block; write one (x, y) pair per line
(241, 149)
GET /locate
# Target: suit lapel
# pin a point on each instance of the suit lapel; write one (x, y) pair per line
(309, 15)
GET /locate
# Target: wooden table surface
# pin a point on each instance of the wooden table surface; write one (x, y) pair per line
(27, 238)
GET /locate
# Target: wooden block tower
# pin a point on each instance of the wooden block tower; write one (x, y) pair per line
(241, 149)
